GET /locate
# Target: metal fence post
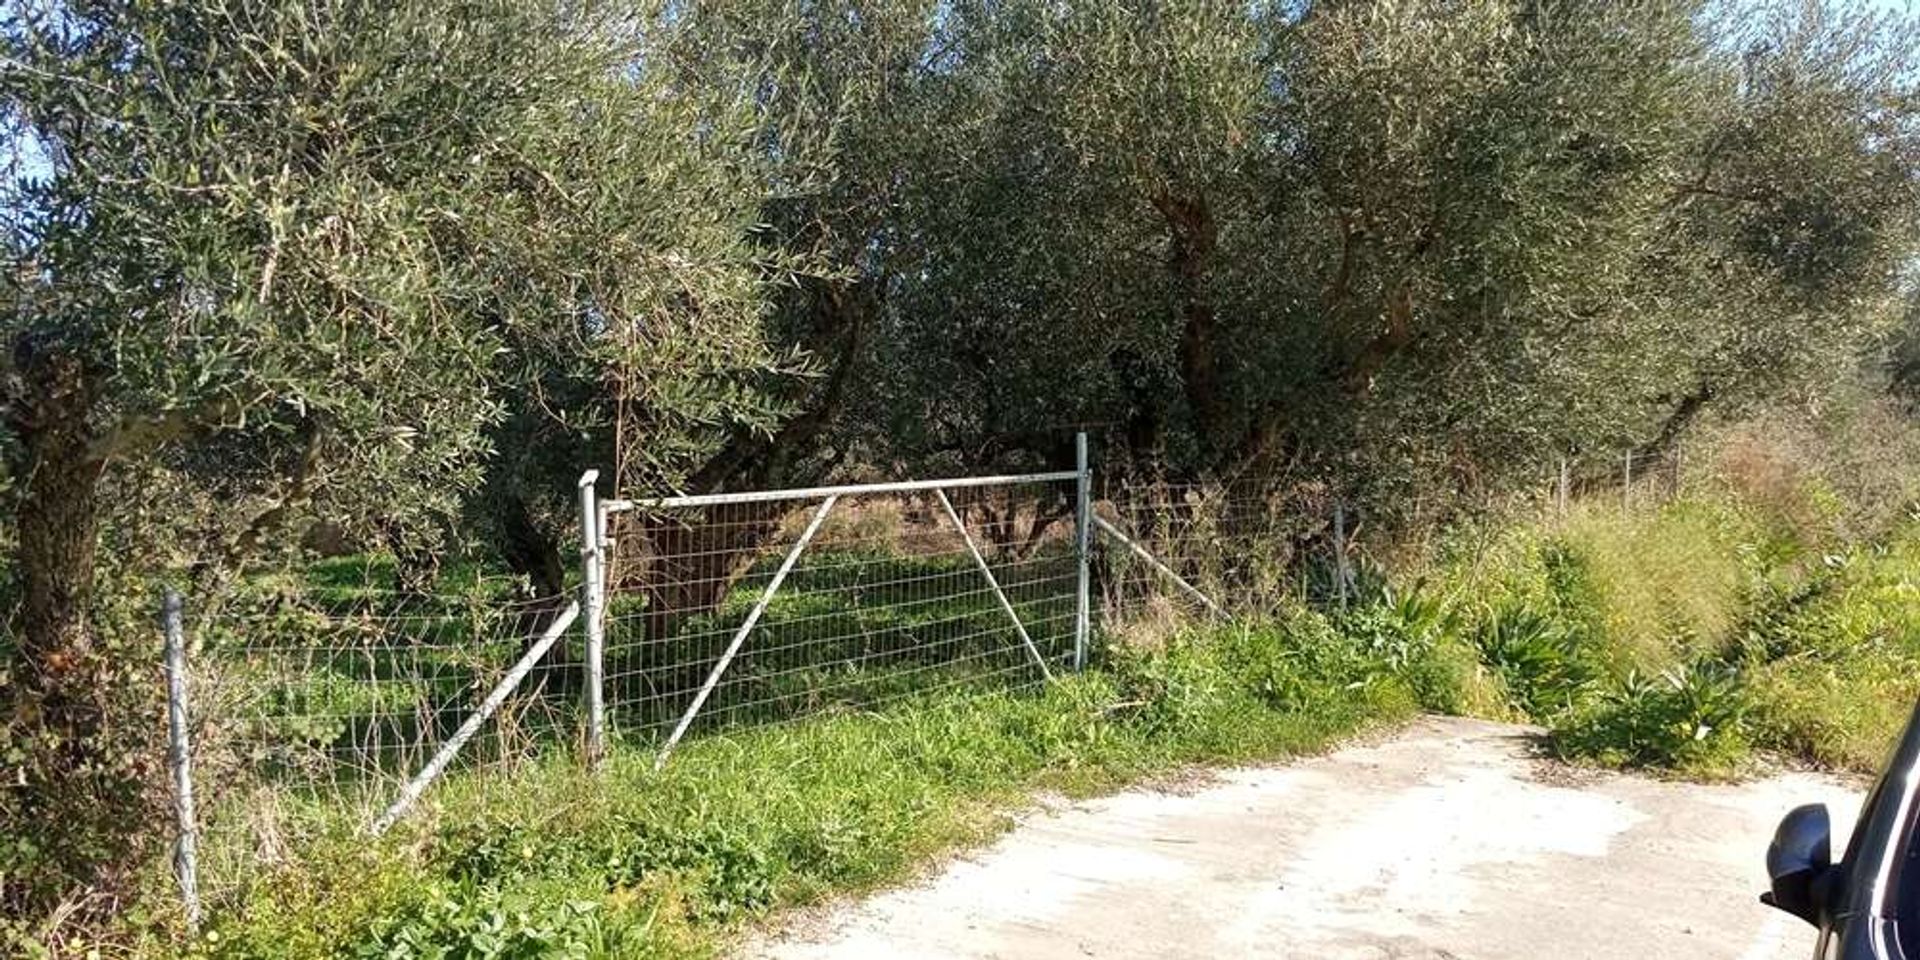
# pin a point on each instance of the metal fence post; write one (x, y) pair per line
(592, 598)
(1626, 483)
(1082, 540)
(1158, 567)
(1679, 463)
(1340, 549)
(1566, 481)
(185, 865)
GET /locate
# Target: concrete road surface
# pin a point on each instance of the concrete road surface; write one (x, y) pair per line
(1448, 840)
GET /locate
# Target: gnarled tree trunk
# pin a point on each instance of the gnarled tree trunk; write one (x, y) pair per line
(688, 565)
(1191, 238)
(81, 779)
(1685, 411)
(58, 526)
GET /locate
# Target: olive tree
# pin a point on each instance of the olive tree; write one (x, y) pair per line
(301, 258)
(1481, 185)
(1798, 211)
(1068, 222)
(1385, 239)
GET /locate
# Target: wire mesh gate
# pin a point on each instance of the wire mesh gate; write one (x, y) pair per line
(747, 608)
(343, 692)
(698, 613)
(695, 614)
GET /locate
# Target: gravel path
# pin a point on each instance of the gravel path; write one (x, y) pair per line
(1450, 840)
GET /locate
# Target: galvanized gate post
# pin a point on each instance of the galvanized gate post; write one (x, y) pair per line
(1082, 540)
(592, 600)
(185, 864)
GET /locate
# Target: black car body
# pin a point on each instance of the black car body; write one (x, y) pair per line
(1867, 906)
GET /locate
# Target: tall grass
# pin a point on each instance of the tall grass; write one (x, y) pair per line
(1691, 635)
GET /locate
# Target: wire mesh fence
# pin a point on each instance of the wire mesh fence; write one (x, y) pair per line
(1246, 546)
(737, 613)
(1224, 544)
(316, 699)
(1650, 478)
(1633, 479)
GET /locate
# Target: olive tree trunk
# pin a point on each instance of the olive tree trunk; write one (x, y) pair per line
(57, 524)
(85, 778)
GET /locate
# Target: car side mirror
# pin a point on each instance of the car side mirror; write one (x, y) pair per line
(1798, 861)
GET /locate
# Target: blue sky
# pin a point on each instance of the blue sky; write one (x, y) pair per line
(1893, 5)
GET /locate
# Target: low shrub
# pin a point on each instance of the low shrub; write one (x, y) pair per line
(1538, 658)
(1692, 719)
(1835, 664)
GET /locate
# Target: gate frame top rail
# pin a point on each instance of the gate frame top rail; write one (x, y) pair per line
(817, 493)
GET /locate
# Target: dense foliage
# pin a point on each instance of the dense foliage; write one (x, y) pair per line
(390, 274)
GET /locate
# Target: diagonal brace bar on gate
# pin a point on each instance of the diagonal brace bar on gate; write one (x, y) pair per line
(429, 773)
(986, 571)
(740, 635)
(1161, 568)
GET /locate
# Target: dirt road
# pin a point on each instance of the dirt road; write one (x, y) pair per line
(1449, 840)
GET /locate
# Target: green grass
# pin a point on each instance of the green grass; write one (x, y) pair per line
(550, 862)
(1694, 636)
